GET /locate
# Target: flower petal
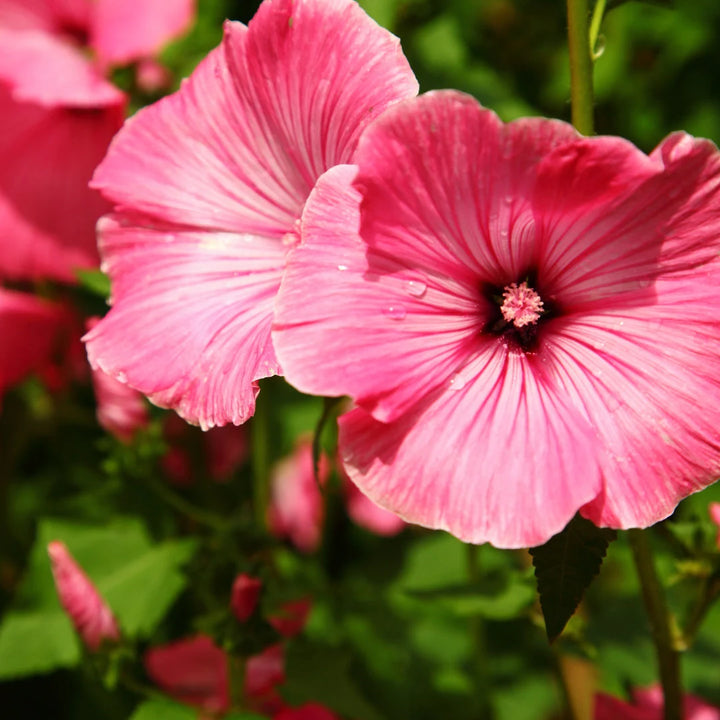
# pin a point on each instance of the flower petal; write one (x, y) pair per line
(447, 184)
(239, 147)
(43, 69)
(358, 306)
(126, 30)
(186, 307)
(637, 375)
(502, 459)
(29, 330)
(46, 208)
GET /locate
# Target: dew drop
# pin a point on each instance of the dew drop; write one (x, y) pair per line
(416, 288)
(395, 312)
(342, 268)
(457, 381)
(121, 377)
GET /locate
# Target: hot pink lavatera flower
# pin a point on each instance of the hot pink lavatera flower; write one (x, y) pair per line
(527, 320)
(647, 704)
(57, 115)
(208, 185)
(90, 614)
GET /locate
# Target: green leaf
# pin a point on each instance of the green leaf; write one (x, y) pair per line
(322, 674)
(565, 566)
(141, 592)
(498, 596)
(33, 643)
(138, 580)
(164, 710)
(95, 281)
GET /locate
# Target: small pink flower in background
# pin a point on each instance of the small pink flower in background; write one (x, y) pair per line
(244, 596)
(527, 320)
(30, 329)
(51, 94)
(291, 617)
(221, 450)
(208, 185)
(89, 613)
(195, 671)
(309, 711)
(120, 409)
(714, 511)
(297, 507)
(365, 513)
(647, 704)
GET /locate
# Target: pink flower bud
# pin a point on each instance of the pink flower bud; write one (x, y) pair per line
(245, 593)
(89, 613)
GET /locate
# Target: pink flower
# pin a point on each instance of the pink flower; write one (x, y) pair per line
(29, 332)
(208, 185)
(120, 409)
(714, 511)
(217, 452)
(89, 613)
(244, 597)
(309, 711)
(291, 617)
(367, 514)
(647, 704)
(51, 94)
(527, 320)
(297, 507)
(195, 671)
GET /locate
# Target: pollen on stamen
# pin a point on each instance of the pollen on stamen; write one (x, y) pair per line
(521, 305)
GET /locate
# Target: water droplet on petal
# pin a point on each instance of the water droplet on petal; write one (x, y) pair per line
(457, 381)
(395, 312)
(342, 267)
(416, 288)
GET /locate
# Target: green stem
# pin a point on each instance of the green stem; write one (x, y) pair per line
(260, 460)
(477, 630)
(329, 406)
(597, 18)
(236, 680)
(656, 608)
(581, 80)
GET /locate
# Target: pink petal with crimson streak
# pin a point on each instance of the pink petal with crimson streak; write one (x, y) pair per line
(57, 17)
(236, 150)
(47, 212)
(29, 331)
(186, 306)
(126, 30)
(647, 704)
(89, 613)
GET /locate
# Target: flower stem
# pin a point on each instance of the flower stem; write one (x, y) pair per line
(597, 18)
(260, 463)
(581, 79)
(656, 607)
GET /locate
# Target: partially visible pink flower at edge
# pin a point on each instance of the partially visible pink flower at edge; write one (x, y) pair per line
(647, 704)
(92, 617)
(51, 94)
(714, 512)
(208, 185)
